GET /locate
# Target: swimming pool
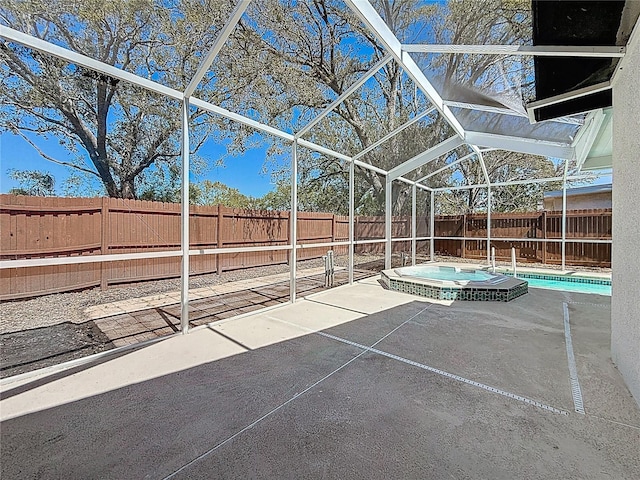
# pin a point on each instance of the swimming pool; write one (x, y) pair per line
(568, 284)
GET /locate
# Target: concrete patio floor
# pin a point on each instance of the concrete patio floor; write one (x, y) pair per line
(354, 382)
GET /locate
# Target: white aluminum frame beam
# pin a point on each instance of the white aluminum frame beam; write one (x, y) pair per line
(414, 226)
(119, 257)
(432, 226)
(376, 25)
(447, 166)
(393, 133)
(425, 157)
(87, 62)
(352, 216)
(488, 180)
(507, 111)
(401, 239)
(564, 214)
(513, 182)
(540, 240)
(369, 242)
(483, 108)
(528, 50)
(587, 135)
(522, 145)
(236, 117)
(485, 173)
(330, 108)
(489, 193)
(563, 97)
(219, 42)
(323, 150)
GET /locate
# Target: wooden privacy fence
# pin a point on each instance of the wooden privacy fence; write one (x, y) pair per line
(42, 227)
(508, 228)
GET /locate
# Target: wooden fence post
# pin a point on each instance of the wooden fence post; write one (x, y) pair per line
(544, 237)
(333, 228)
(355, 233)
(288, 236)
(219, 240)
(464, 235)
(407, 229)
(104, 242)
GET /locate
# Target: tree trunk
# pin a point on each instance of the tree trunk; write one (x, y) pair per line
(128, 189)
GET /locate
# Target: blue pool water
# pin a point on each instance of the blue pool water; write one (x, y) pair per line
(558, 283)
(569, 286)
(444, 273)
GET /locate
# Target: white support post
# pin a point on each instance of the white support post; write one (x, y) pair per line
(293, 219)
(352, 218)
(493, 259)
(387, 221)
(414, 233)
(184, 221)
(488, 180)
(489, 224)
(432, 226)
(564, 214)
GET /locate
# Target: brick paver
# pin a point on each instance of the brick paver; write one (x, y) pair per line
(136, 320)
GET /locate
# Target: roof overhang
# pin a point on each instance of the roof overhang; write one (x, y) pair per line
(567, 86)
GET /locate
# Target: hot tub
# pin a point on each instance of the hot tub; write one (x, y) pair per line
(444, 282)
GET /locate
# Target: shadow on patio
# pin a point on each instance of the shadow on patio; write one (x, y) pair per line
(354, 382)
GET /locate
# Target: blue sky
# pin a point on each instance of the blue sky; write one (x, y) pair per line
(241, 172)
(16, 153)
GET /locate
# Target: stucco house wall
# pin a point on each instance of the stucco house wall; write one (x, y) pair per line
(625, 261)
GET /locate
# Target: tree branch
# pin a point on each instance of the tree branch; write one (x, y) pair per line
(51, 159)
